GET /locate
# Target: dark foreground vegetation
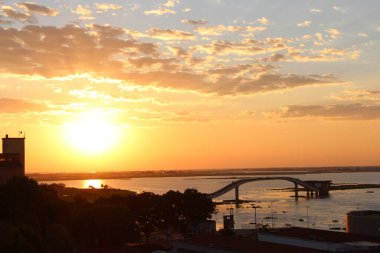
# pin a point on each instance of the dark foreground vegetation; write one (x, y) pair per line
(34, 218)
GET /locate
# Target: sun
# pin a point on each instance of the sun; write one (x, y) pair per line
(92, 133)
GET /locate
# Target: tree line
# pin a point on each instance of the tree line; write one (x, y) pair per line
(33, 218)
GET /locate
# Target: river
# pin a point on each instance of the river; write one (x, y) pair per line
(277, 208)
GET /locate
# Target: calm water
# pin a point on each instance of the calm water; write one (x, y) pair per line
(327, 213)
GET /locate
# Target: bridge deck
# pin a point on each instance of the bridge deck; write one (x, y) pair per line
(236, 184)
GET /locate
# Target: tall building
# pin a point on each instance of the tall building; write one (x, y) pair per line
(12, 160)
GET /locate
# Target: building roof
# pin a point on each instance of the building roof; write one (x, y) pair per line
(236, 244)
(248, 245)
(365, 213)
(324, 235)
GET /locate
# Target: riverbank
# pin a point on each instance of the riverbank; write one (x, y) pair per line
(90, 194)
(228, 173)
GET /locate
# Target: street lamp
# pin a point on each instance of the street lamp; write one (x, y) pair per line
(307, 217)
(255, 207)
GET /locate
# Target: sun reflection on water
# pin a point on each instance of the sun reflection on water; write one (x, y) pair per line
(93, 183)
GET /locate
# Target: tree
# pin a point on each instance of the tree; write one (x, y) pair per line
(105, 225)
(146, 208)
(197, 206)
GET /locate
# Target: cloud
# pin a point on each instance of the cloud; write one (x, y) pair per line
(84, 13)
(355, 111)
(194, 22)
(334, 33)
(339, 9)
(166, 8)
(315, 10)
(108, 52)
(4, 21)
(142, 62)
(244, 47)
(171, 3)
(36, 8)
(105, 7)
(364, 35)
(169, 34)
(224, 85)
(305, 23)
(323, 55)
(274, 58)
(9, 105)
(219, 29)
(263, 21)
(359, 95)
(53, 51)
(11, 13)
(159, 11)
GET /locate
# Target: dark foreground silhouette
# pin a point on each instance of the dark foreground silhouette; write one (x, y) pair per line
(34, 218)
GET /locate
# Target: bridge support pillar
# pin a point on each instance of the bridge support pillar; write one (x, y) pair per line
(237, 195)
(296, 191)
(307, 193)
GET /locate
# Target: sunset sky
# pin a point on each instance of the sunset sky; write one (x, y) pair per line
(191, 84)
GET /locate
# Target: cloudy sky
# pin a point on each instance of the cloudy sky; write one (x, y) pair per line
(180, 84)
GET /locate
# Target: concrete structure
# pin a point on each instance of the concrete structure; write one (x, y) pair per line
(196, 228)
(228, 220)
(297, 182)
(366, 222)
(323, 187)
(12, 160)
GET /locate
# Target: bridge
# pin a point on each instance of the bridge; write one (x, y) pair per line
(319, 188)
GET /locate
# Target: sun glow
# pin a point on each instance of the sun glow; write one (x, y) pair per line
(93, 183)
(92, 133)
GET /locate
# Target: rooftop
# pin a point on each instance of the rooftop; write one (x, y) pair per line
(321, 241)
(365, 213)
(236, 244)
(324, 235)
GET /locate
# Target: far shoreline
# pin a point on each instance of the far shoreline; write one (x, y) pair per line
(226, 173)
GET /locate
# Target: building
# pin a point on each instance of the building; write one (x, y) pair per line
(366, 222)
(323, 187)
(196, 228)
(283, 240)
(12, 158)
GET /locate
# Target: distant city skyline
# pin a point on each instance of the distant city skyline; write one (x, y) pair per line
(175, 84)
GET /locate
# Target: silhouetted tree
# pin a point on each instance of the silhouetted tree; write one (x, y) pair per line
(105, 225)
(57, 239)
(197, 206)
(33, 218)
(146, 210)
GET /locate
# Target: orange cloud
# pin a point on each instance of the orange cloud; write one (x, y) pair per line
(108, 52)
(219, 29)
(36, 8)
(170, 34)
(336, 112)
(11, 13)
